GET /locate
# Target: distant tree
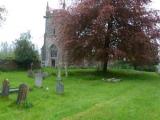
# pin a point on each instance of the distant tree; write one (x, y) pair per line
(4, 47)
(6, 51)
(2, 14)
(25, 52)
(112, 29)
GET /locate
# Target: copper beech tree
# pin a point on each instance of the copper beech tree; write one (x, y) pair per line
(106, 30)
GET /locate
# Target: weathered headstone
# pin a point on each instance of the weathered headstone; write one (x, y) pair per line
(38, 79)
(59, 87)
(5, 88)
(59, 83)
(22, 94)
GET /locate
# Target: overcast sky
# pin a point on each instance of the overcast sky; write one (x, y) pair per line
(24, 15)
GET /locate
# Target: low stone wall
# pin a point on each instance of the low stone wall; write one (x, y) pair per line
(8, 65)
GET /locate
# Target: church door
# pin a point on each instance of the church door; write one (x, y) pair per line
(53, 63)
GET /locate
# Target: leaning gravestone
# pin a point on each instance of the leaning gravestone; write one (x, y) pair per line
(22, 94)
(38, 79)
(5, 88)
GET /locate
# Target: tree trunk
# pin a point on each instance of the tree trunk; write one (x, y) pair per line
(107, 47)
(105, 66)
(135, 67)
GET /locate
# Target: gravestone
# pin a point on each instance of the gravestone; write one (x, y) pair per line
(5, 88)
(38, 79)
(59, 87)
(59, 83)
(22, 94)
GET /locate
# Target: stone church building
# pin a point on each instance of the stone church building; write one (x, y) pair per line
(52, 53)
(52, 50)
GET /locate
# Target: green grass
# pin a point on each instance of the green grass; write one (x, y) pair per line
(87, 97)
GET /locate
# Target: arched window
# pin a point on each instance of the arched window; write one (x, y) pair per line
(54, 51)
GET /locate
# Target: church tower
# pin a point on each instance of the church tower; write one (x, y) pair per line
(50, 48)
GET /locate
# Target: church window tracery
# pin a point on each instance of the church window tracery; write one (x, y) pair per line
(54, 51)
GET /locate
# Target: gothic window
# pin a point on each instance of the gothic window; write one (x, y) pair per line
(54, 51)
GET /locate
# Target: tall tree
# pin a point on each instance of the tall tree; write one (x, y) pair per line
(113, 29)
(25, 52)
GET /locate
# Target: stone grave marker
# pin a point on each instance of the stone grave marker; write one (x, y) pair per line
(59, 83)
(5, 88)
(59, 87)
(38, 79)
(22, 94)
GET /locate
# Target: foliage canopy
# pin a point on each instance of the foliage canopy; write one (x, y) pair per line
(105, 30)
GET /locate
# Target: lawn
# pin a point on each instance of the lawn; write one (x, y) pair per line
(86, 97)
